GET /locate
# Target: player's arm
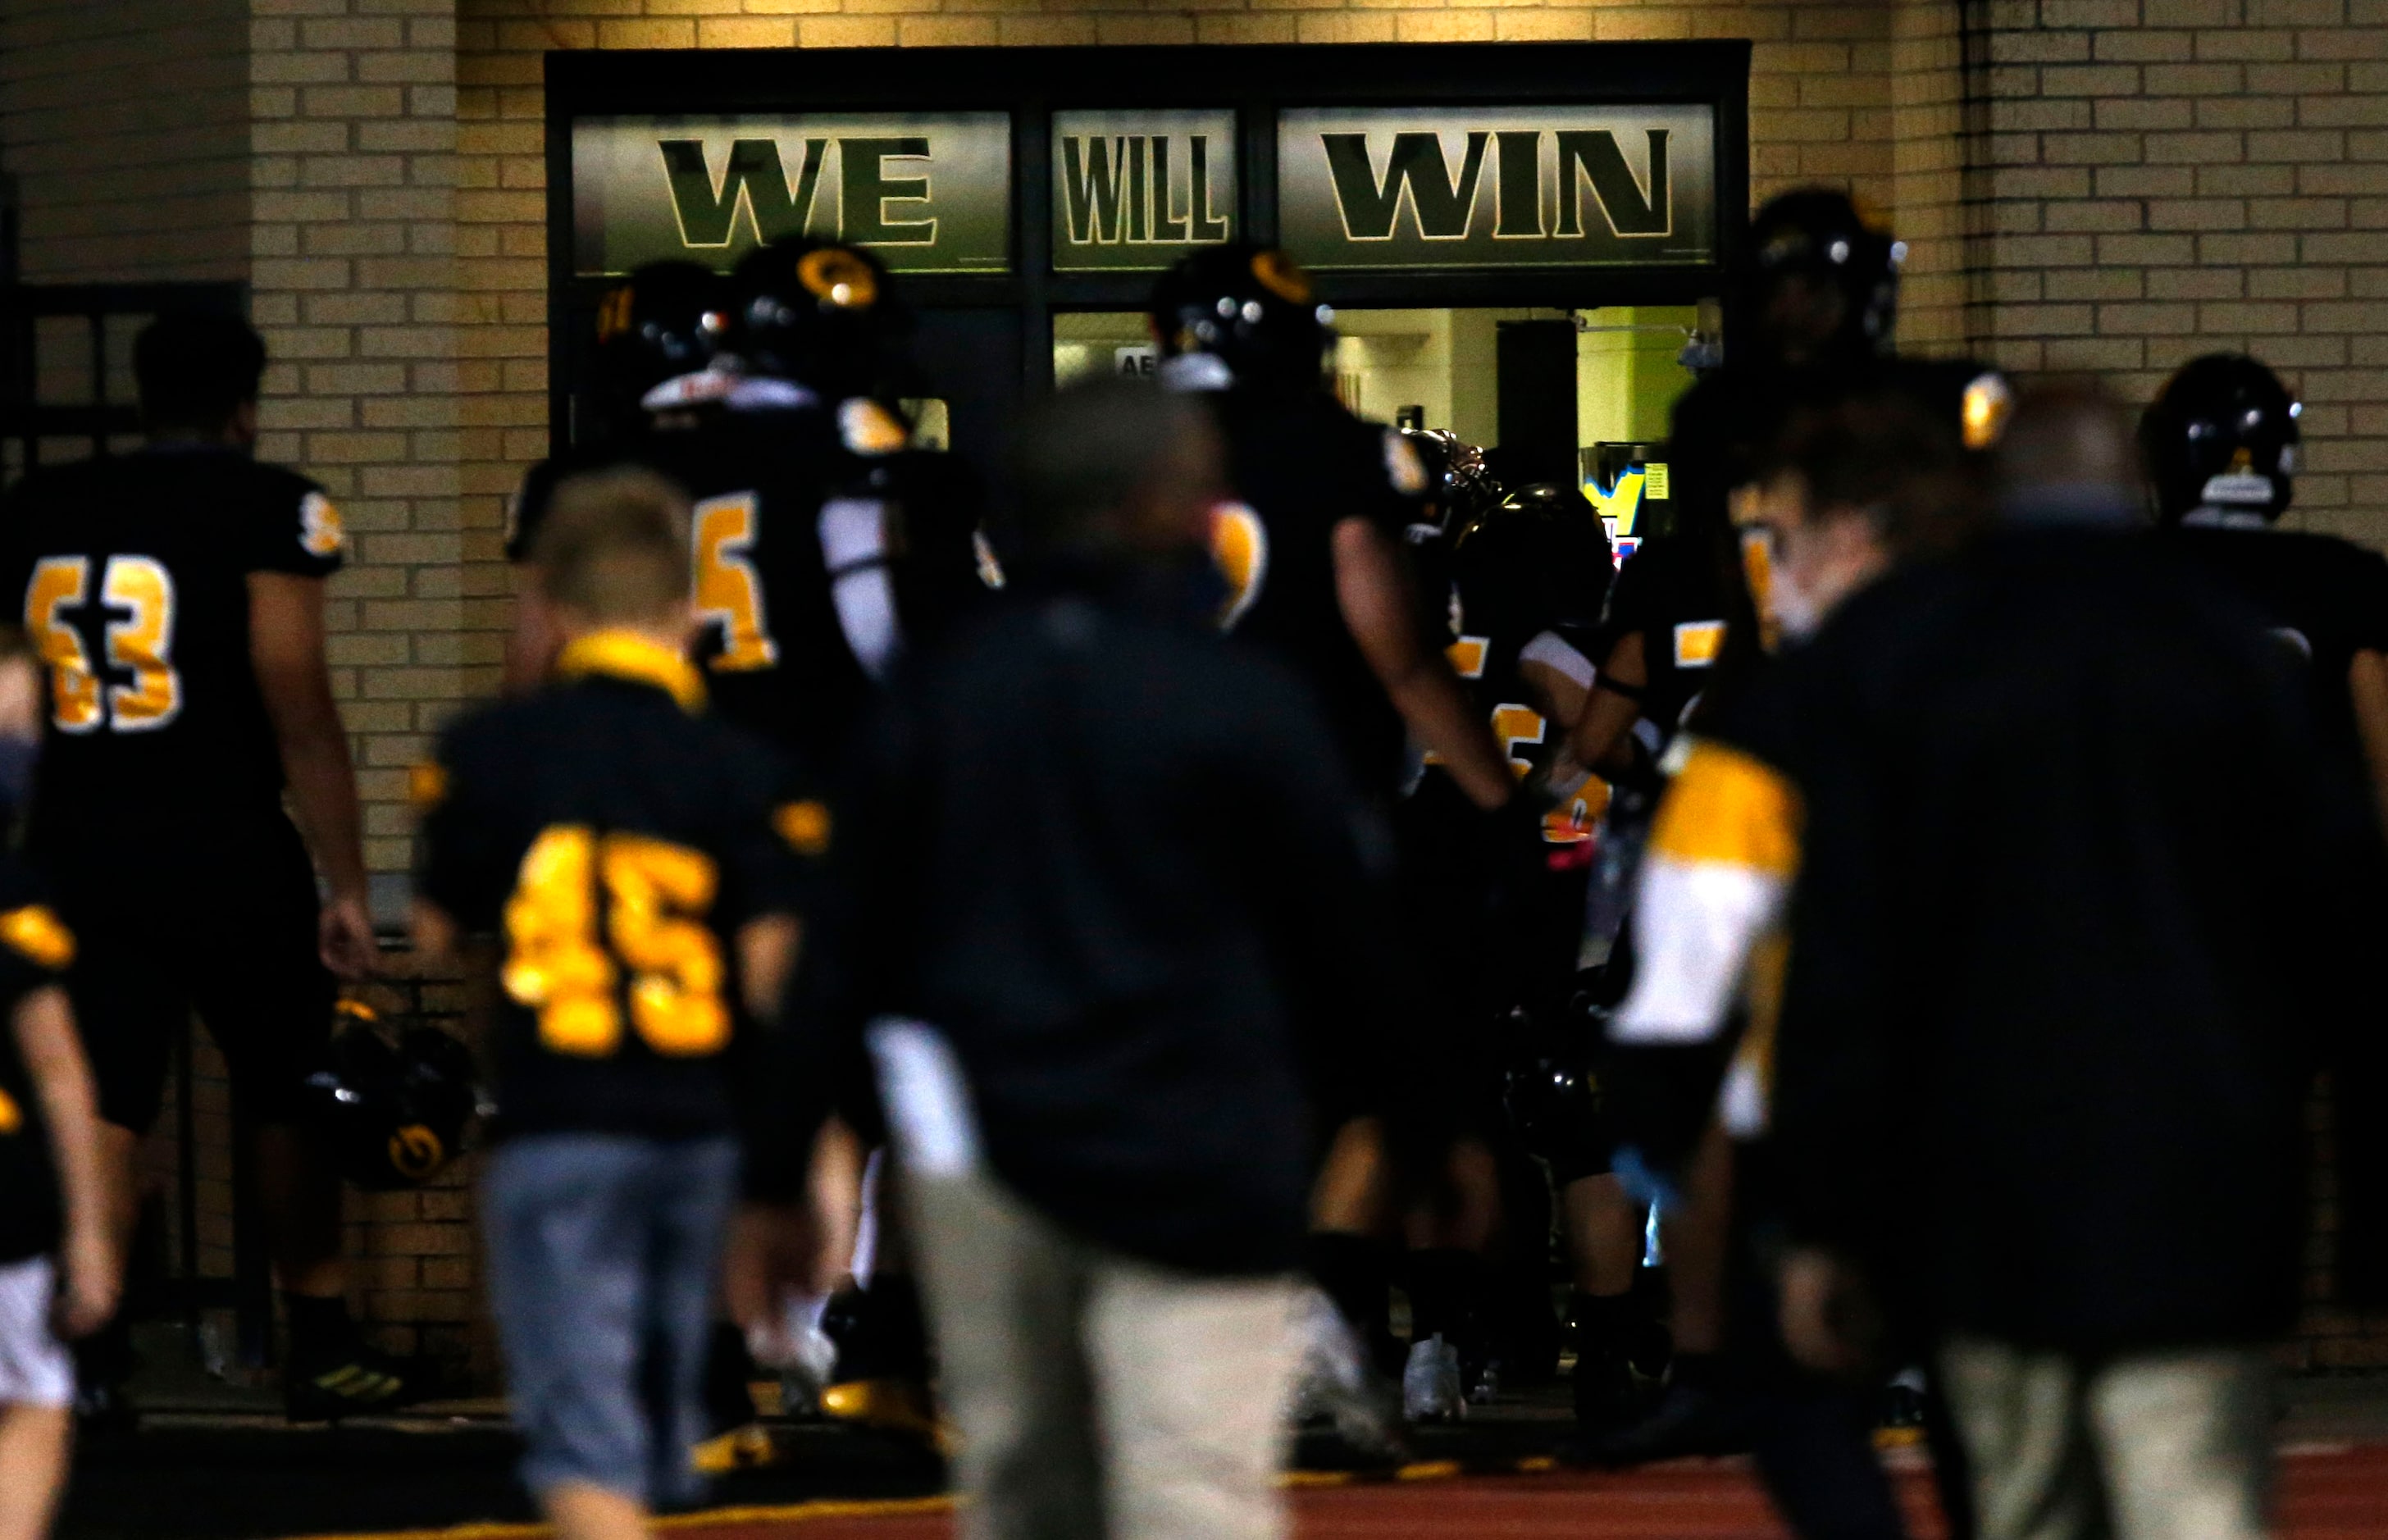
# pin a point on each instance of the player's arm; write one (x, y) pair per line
(1375, 599)
(2366, 688)
(767, 960)
(287, 650)
(53, 1056)
(1723, 854)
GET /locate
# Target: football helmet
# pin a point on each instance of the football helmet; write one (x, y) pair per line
(1538, 560)
(2222, 434)
(1807, 245)
(665, 321)
(1248, 307)
(1458, 478)
(393, 1105)
(817, 312)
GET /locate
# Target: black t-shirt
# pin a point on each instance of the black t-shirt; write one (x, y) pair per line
(130, 575)
(823, 545)
(1671, 594)
(1301, 465)
(616, 881)
(2323, 598)
(34, 950)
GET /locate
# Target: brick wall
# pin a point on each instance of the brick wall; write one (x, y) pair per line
(126, 127)
(2162, 178)
(354, 284)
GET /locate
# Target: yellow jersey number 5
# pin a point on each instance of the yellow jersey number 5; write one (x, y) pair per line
(137, 594)
(559, 965)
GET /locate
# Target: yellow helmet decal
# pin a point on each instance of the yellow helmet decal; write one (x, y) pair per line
(1282, 276)
(416, 1151)
(614, 313)
(839, 277)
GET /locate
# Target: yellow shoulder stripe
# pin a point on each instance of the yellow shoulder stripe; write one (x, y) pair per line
(1726, 806)
(805, 826)
(39, 935)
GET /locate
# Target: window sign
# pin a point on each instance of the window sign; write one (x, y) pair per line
(1455, 189)
(927, 192)
(1137, 190)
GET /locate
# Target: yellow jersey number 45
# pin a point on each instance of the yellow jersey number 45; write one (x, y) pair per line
(566, 965)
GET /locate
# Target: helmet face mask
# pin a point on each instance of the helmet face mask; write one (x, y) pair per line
(817, 313)
(2222, 436)
(1251, 309)
(393, 1107)
(668, 320)
(1823, 279)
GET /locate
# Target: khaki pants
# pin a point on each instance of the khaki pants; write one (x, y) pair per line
(1095, 1396)
(2171, 1446)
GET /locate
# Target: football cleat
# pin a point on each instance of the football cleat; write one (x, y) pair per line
(356, 1382)
(1335, 1384)
(1432, 1390)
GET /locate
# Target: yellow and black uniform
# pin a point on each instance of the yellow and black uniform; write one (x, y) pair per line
(1300, 466)
(34, 952)
(824, 543)
(615, 836)
(157, 813)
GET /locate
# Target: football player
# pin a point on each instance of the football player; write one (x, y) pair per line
(1691, 618)
(1857, 483)
(2221, 444)
(644, 901)
(658, 338)
(1311, 549)
(176, 596)
(59, 1271)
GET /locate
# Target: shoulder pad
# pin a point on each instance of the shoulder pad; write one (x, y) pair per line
(868, 428)
(1402, 467)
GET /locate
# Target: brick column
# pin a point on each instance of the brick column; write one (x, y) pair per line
(355, 285)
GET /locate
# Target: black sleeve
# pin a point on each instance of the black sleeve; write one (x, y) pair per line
(857, 935)
(774, 842)
(2367, 601)
(1323, 865)
(461, 863)
(527, 508)
(35, 946)
(292, 527)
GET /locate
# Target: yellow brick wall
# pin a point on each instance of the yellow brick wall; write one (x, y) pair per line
(2163, 178)
(126, 127)
(1820, 109)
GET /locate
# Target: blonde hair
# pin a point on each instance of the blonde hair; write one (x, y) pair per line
(613, 547)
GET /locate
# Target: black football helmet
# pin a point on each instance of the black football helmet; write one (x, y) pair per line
(819, 313)
(666, 320)
(1249, 306)
(393, 1106)
(1458, 480)
(1810, 243)
(1539, 560)
(2222, 434)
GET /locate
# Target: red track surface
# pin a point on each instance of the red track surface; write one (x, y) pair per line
(2333, 1494)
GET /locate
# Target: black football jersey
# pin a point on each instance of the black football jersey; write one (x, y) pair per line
(1300, 466)
(130, 575)
(2323, 598)
(615, 883)
(34, 950)
(823, 545)
(1671, 592)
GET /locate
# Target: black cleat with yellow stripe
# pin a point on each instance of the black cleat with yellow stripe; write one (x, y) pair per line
(355, 1382)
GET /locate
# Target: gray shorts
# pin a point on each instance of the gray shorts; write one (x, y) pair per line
(604, 1249)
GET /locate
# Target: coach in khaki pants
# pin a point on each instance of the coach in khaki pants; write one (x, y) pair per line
(1099, 871)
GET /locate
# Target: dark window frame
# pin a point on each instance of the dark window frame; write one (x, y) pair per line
(1255, 80)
